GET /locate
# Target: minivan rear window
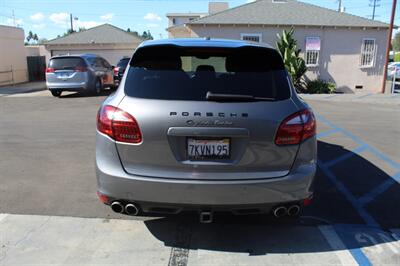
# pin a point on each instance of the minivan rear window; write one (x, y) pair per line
(173, 73)
(123, 62)
(66, 63)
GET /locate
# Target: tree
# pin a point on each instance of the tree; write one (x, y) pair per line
(146, 34)
(30, 36)
(295, 65)
(396, 42)
(42, 41)
(69, 31)
(149, 36)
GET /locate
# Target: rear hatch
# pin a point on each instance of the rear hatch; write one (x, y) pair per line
(207, 113)
(68, 69)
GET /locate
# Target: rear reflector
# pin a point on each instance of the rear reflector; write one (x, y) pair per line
(307, 202)
(296, 128)
(118, 125)
(103, 198)
(49, 70)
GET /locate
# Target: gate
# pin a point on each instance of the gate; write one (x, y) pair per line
(36, 68)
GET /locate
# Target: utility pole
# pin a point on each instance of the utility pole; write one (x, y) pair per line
(340, 6)
(13, 17)
(72, 25)
(389, 40)
(374, 5)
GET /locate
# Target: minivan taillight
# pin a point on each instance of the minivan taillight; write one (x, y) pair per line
(49, 70)
(118, 125)
(296, 128)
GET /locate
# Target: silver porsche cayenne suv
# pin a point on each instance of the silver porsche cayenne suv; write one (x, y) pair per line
(205, 125)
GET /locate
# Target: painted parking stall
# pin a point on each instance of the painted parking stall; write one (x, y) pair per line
(354, 218)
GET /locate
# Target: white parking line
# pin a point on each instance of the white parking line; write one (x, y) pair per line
(337, 245)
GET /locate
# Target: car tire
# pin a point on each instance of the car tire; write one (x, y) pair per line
(98, 87)
(56, 93)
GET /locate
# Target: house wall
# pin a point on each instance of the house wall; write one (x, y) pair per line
(112, 53)
(339, 55)
(37, 50)
(13, 66)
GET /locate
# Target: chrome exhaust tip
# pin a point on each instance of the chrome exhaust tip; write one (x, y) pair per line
(280, 211)
(131, 209)
(117, 207)
(293, 210)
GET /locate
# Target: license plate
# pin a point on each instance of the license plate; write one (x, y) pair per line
(200, 149)
(63, 75)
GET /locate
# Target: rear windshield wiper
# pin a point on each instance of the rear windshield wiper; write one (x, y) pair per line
(219, 97)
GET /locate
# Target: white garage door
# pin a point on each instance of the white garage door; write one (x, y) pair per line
(112, 56)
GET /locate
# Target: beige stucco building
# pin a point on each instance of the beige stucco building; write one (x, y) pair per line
(108, 41)
(337, 47)
(13, 66)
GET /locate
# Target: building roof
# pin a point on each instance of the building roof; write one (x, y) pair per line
(189, 14)
(286, 12)
(203, 42)
(105, 33)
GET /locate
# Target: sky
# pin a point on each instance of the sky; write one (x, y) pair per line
(49, 18)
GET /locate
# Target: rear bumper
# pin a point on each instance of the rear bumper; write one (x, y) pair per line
(68, 86)
(149, 192)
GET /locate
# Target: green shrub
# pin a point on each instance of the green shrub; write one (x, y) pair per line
(397, 57)
(295, 65)
(320, 86)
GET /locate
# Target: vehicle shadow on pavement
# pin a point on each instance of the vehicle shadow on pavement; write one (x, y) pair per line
(331, 207)
(80, 94)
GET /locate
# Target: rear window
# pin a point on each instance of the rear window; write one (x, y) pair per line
(66, 63)
(123, 62)
(172, 73)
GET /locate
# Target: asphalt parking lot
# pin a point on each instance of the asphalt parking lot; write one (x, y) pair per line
(48, 203)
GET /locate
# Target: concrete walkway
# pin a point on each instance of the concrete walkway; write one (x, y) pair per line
(23, 88)
(359, 98)
(54, 240)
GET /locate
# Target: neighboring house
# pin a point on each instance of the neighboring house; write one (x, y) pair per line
(108, 41)
(13, 67)
(345, 49)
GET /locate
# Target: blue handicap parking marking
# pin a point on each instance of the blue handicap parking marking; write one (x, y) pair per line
(359, 237)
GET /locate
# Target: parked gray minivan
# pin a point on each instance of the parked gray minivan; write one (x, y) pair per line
(205, 125)
(87, 72)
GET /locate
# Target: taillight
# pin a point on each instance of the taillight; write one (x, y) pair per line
(80, 69)
(296, 128)
(49, 70)
(118, 125)
(116, 69)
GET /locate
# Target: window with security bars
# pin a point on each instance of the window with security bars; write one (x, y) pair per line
(367, 56)
(312, 57)
(251, 37)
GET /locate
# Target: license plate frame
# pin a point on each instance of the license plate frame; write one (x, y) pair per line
(193, 156)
